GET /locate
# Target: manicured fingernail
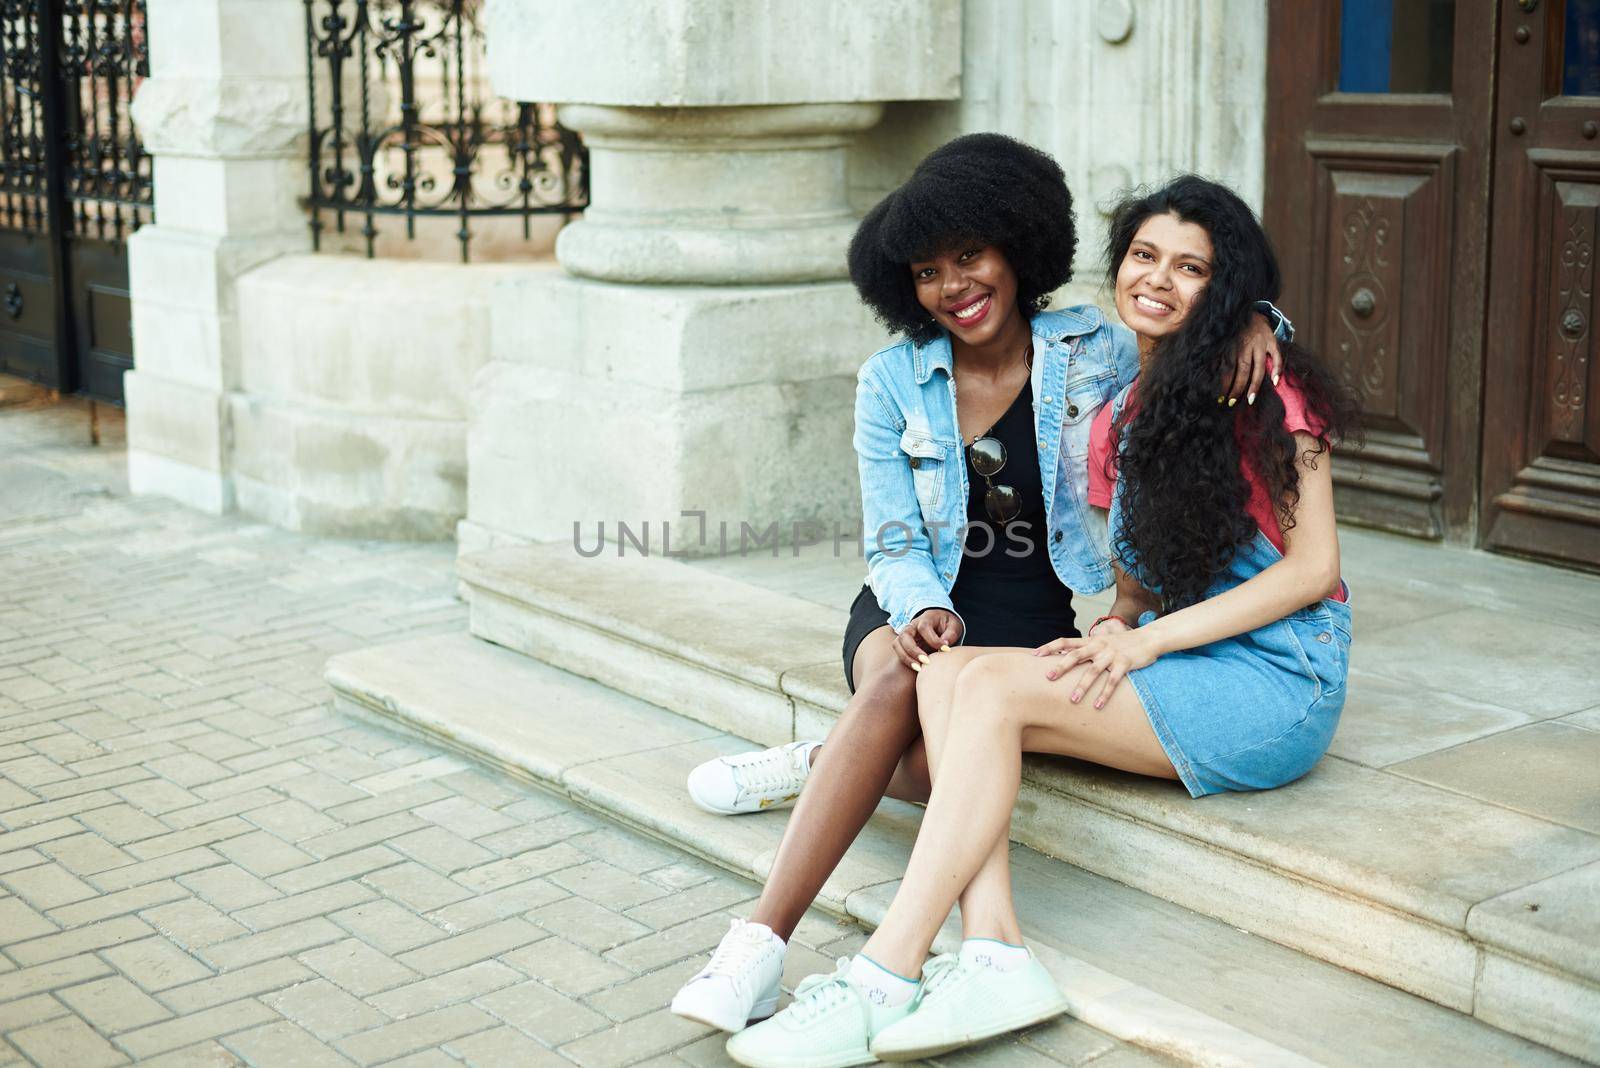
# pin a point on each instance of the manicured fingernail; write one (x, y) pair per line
(945, 648)
(1221, 399)
(1232, 401)
(923, 657)
(1251, 399)
(1075, 695)
(1274, 378)
(1099, 704)
(916, 667)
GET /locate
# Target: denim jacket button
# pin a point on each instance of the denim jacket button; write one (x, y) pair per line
(1324, 637)
(1047, 400)
(916, 461)
(1072, 411)
(1059, 535)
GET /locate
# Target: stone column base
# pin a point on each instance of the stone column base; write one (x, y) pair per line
(175, 435)
(630, 405)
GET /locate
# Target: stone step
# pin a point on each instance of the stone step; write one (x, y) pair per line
(1138, 967)
(1472, 905)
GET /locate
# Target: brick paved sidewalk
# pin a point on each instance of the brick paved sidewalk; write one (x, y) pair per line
(201, 863)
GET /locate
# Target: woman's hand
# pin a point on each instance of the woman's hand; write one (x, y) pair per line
(1106, 659)
(1255, 357)
(931, 631)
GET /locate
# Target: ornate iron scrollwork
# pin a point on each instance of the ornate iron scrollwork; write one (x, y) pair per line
(409, 129)
(101, 59)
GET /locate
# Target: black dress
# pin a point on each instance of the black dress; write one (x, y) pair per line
(1006, 592)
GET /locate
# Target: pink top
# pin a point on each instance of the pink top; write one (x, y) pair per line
(1295, 419)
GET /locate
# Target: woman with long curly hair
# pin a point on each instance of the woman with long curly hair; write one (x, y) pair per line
(1222, 663)
(970, 435)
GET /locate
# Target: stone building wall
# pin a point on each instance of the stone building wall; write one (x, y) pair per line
(1121, 92)
(734, 142)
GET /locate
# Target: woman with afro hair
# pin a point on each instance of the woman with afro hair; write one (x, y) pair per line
(972, 436)
(1231, 628)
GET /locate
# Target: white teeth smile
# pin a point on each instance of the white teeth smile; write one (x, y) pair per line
(972, 310)
(1154, 305)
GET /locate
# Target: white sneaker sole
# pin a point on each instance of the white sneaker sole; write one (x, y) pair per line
(758, 1012)
(718, 810)
(843, 1060)
(933, 1046)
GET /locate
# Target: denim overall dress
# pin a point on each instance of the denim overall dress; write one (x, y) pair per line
(1254, 711)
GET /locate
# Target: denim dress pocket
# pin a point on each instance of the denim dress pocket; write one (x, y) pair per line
(927, 460)
(1324, 645)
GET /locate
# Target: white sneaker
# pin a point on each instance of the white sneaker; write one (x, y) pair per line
(741, 982)
(830, 1024)
(752, 782)
(963, 1000)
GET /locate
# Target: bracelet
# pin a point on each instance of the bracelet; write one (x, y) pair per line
(1102, 619)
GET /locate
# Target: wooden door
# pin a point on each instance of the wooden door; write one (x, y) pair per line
(1377, 194)
(1541, 455)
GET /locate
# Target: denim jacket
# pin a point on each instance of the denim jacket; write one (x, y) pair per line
(914, 475)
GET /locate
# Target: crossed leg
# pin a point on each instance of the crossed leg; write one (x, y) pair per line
(999, 705)
(986, 907)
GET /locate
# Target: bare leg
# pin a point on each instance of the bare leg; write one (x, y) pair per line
(987, 910)
(1003, 705)
(912, 781)
(862, 751)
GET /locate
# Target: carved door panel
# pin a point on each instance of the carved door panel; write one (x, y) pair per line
(1378, 174)
(1541, 457)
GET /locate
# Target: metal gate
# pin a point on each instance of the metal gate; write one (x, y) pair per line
(74, 183)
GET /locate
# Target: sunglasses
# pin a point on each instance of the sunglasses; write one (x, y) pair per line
(987, 456)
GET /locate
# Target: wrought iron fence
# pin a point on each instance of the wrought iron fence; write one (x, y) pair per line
(403, 124)
(70, 68)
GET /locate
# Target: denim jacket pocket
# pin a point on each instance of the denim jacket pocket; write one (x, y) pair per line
(926, 458)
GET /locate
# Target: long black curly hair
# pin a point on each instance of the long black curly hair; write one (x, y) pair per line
(1184, 493)
(979, 189)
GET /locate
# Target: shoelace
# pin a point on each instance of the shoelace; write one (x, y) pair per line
(938, 972)
(767, 770)
(818, 994)
(732, 956)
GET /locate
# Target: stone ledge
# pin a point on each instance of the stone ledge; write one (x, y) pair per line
(1127, 961)
(619, 596)
(1354, 865)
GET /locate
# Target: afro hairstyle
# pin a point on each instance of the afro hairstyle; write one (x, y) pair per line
(979, 189)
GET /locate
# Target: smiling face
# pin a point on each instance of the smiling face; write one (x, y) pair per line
(1163, 273)
(971, 291)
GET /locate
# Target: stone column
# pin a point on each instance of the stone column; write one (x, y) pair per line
(224, 114)
(698, 352)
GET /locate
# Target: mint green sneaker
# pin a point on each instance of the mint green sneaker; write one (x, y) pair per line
(963, 1001)
(829, 1024)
